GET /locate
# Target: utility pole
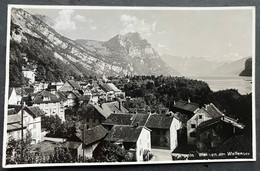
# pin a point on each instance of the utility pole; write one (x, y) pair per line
(83, 145)
(22, 120)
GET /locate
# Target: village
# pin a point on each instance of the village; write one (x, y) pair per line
(98, 108)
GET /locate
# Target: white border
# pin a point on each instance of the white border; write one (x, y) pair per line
(10, 6)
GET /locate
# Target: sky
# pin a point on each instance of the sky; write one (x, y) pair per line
(217, 35)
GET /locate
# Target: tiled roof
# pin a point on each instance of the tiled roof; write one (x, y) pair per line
(124, 133)
(61, 95)
(113, 87)
(188, 106)
(39, 98)
(213, 121)
(105, 87)
(119, 119)
(92, 135)
(159, 121)
(15, 126)
(12, 111)
(114, 107)
(13, 118)
(35, 111)
(213, 110)
(105, 111)
(74, 84)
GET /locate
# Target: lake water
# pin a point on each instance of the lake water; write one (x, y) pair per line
(242, 84)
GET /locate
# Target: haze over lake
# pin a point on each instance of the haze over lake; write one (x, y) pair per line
(216, 83)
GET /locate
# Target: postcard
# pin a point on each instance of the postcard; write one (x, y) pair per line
(94, 85)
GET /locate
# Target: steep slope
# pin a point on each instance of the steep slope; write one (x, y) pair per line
(132, 51)
(248, 68)
(232, 68)
(190, 66)
(52, 52)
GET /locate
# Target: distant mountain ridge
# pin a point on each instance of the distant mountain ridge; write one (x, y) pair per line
(191, 66)
(121, 55)
(248, 68)
(232, 68)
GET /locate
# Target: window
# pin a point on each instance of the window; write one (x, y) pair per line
(200, 116)
(193, 126)
(192, 134)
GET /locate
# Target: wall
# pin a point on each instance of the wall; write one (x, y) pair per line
(173, 133)
(143, 143)
(195, 120)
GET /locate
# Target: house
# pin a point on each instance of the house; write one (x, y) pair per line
(14, 127)
(13, 97)
(85, 142)
(30, 74)
(211, 133)
(203, 114)
(186, 108)
(125, 119)
(100, 113)
(32, 118)
(111, 91)
(134, 139)
(31, 123)
(70, 85)
(164, 131)
(40, 86)
(49, 103)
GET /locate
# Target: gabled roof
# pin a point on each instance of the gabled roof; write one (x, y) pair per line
(61, 95)
(159, 121)
(16, 108)
(92, 135)
(225, 119)
(124, 133)
(114, 107)
(10, 91)
(187, 106)
(104, 111)
(14, 127)
(39, 98)
(74, 84)
(119, 119)
(105, 87)
(16, 118)
(213, 110)
(34, 111)
(12, 111)
(113, 87)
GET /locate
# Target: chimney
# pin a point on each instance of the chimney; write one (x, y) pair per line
(120, 104)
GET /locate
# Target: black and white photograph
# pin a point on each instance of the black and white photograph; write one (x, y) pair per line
(96, 85)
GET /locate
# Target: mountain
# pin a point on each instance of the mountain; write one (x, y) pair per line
(46, 19)
(231, 68)
(57, 57)
(248, 68)
(132, 51)
(190, 66)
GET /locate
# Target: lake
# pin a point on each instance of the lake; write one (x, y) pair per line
(242, 84)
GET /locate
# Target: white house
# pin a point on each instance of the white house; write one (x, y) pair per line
(50, 104)
(31, 123)
(135, 139)
(164, 130)
(13, 97)
(203, 114)
(30, 74)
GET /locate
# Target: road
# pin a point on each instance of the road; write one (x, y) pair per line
(161, 155)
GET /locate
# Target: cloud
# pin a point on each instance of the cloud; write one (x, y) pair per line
(133, 24)
(80, 18)
(64, 21)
